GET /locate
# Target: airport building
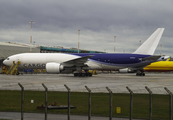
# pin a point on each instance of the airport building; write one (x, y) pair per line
(8, 48)
(47, 49)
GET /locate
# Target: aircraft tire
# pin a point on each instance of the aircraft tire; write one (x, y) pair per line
(17, 73)
(75, 74)
(140, 74)
(79, 74)
(86, 74)
(90, 75)
(83, 74)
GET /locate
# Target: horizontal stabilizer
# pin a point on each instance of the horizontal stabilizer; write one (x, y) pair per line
(155, 58)
(149, 46)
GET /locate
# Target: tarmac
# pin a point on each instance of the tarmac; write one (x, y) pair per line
(97, 83)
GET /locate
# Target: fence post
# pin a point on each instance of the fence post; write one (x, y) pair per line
(170, 102)
(22, 99)
(150, 104)
(110, 103)
(68, 100)
(131, 102)
(46, 89)
(89, 103)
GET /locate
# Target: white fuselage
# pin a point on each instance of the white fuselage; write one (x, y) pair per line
(39, 61)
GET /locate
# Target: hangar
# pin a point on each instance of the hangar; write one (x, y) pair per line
(9, 48)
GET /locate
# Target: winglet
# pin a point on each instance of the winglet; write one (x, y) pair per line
(149, 46)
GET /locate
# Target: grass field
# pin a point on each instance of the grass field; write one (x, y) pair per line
(11, 101)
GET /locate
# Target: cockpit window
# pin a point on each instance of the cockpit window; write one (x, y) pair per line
(8, 58)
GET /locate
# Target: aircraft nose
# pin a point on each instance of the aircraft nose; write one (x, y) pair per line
(5, 62)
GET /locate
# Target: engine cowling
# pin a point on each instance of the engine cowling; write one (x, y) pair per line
(54, 67)
(126, 70)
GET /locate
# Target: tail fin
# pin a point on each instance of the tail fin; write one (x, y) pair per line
(168, 59)
(149, 46)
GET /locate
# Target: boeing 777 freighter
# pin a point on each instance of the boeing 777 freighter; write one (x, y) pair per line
(81, 63)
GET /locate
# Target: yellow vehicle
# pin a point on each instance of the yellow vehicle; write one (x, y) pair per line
(161, 66)
(4, 70)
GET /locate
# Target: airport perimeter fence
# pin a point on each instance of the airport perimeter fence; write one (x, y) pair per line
(110, 92)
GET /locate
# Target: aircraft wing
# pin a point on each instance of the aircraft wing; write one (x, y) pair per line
(77, 62)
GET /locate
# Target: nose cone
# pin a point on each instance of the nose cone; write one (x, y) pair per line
(6, 62)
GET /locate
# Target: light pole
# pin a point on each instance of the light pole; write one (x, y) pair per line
(78, 39)
(31, 36)
(114, 41)
(140, 42)
(160, 49)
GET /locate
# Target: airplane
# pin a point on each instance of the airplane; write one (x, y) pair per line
(81, 63)
(160, 66)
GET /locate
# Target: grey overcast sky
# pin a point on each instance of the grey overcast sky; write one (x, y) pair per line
(57, 23)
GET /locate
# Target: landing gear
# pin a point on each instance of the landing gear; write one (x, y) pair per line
(17, 73)
(140, 74)
(75, 74)
(87, 74)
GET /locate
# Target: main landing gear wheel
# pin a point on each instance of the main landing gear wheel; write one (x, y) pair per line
(17, 73)
(75, 74)
(82, 74)
(140, 74)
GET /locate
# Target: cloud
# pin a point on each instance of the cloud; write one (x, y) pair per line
(58, 22)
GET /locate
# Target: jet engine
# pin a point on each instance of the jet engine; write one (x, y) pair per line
(54, 67)
(126, 70)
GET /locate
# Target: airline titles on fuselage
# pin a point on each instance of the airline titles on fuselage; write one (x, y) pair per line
(38, 65)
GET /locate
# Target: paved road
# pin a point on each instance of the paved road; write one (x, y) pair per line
(39, 116)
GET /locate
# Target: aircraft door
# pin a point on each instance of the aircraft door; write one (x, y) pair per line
(19, 59)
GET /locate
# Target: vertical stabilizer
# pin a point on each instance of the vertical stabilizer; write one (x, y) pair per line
(149, 46)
